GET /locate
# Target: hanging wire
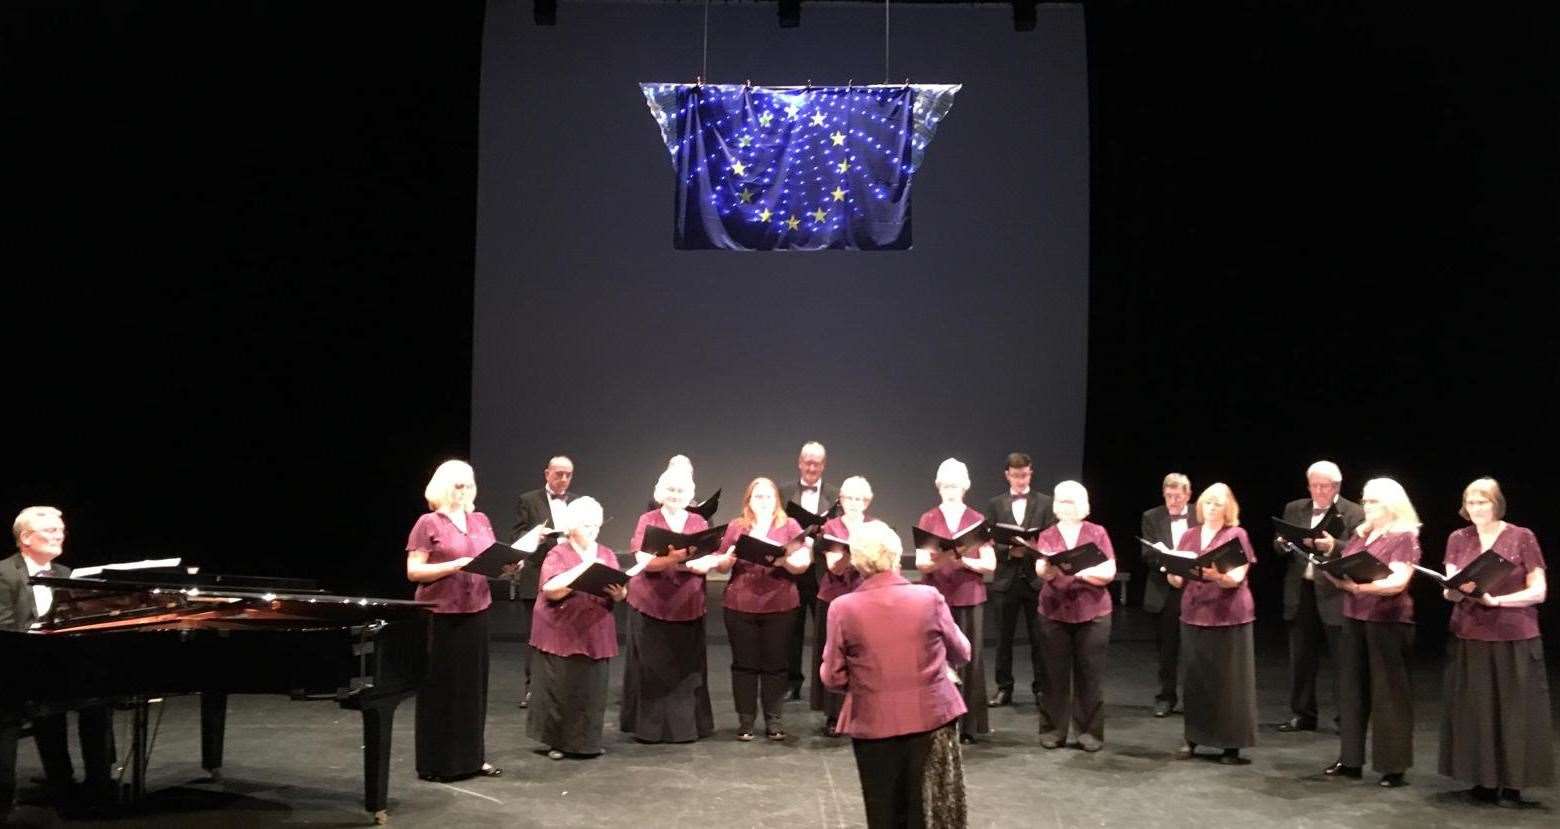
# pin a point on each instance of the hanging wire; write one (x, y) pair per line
(885, 41)
(704, 67)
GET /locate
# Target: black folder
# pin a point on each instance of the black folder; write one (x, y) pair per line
(755, 550)
(706, 508)
(1081, 557)
(1008, 533)
(1298, 535)
(829, 543)
(1224, 558)
(965, 540)
(1485, 572)
(492, 561)
(1360, 567)
(659, 540)
(807, 518)
(596, 578)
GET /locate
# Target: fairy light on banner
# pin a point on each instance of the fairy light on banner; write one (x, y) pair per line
(795, 168)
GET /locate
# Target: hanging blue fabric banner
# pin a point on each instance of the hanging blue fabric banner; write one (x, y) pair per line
(795, 168)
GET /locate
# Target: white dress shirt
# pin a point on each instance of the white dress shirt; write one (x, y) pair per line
(43, 597)
(808, 498)
(1178, 525)
(1020, 506)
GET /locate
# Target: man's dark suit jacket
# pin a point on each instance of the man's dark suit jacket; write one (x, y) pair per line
(1156, 527)
(1037, 513)
(532, 509)
(1329, 599)
(827, 494)
(17, 609)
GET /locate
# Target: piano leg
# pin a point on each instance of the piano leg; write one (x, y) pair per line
(213, 728)
(378, 720)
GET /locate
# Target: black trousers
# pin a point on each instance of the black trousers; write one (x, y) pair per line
(808, 590)
(759, 643)
(96, 727)
(527, 606)
(1373, 678)
(1167, 635)
(1015, 603)
(1075, 655)
(1306, 634)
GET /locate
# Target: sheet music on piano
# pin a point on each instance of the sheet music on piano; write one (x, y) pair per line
(146, 564)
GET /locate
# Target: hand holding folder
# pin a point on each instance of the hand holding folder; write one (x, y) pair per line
(1189, 565)
(1069, 562)
(963, 543)
(1481, 576)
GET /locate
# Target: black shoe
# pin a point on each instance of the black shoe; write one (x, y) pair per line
(1340, 770)
(1231, 757)
(967, 739)
(1163, 707)
(796, 692)
(745, 735)
(1089, 743)
(1298, 724)
(1480, 794)
(1049, 743)
(1186, 752)
(1392, 781)
(525, 701)
(1003, 696)
(1512, 799)
(490, 770)
(830, 731)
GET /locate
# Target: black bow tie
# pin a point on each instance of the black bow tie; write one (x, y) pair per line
(1181, 517)
(813, 488)
(1315, 511)
(1023, 497)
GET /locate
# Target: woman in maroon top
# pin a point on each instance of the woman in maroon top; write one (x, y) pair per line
(1495, 729)
(838, 579)
(1378, 633)
(452, 704)
(666, 693)
(961, 580)
(1220, 685)
(574, 637)
(890, 647)
(760, 604)
(1074, 625)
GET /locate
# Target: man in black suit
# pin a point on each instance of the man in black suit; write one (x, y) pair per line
(1166, 524)
(534, 509)
(40, 538)
(1015, 584)
(1313, 607)
(814, 495)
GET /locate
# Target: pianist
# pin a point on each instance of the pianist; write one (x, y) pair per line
(40, 538)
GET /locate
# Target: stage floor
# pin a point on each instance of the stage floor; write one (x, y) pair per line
(293, 763)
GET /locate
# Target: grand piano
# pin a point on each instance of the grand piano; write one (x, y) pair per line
(131, 637)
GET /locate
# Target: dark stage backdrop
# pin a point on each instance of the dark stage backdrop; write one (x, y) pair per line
(594, 338)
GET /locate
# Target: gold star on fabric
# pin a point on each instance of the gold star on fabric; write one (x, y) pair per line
(746, 196)
(817, 118)
(763, 215)
(766, 117)
(819, 215)
(739, 168)
(839, 138)
(842, 166)
(793, 223)
(839, 195)
(745, 141)
(791, 111)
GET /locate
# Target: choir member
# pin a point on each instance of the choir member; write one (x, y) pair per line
(1378, 632)
(815, 495)
(838, 578)
(666, 694)
(1014, 582)
(1166, 524)
(889, 649)
(1074, 625)
(574, 636)
(1496, 731)
(960, 579)
(452, 703)
(535, 512)
(760, 608)
(1219, 688)
(1312, 606)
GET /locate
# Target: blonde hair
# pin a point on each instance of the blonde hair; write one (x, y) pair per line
(1489, 488)
(25, 518)
(1231, 506)
(1178, 481)
(750, 518)
(953, 471)
(875, 548)
(1079, 494)
(1392, 498)
(440, 491)
(856, 485)
(674, 475)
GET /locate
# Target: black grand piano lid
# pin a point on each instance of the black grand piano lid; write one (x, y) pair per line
(215, 586)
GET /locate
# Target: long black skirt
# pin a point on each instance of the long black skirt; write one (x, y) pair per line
(1219, 686)
(568, 702)
(913, 780)
(452, 704)
(972, 676)
(1495, 729)
(666, 688)
(821, 698)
